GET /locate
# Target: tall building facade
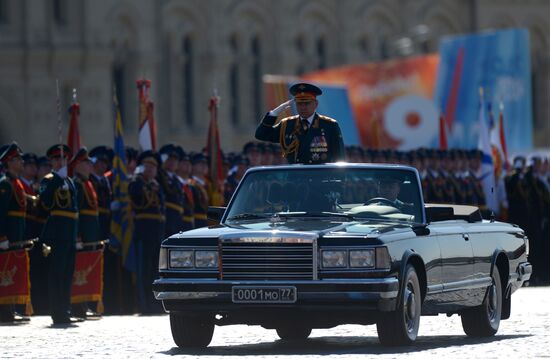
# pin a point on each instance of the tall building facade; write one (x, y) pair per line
(192, 48)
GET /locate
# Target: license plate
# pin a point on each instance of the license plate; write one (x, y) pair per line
(246, 294)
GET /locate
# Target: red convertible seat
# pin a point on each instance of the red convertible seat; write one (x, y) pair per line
(445, 212)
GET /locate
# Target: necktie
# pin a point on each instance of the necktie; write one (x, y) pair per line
(305, 124)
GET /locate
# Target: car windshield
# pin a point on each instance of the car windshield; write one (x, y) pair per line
(371, 193)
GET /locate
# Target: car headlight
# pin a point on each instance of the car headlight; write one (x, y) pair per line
(361, 258)
(206, 259)
(334, 259)
(181, 259)
(163, 258)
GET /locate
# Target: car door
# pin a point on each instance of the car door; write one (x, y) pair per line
(457, 264)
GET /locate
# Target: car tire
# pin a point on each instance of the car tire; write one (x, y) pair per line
(400, 327)
(484, 320)
(293, 332)
(191, 331)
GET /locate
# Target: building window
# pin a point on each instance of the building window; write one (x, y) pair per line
(256, 75)
(234, 82)
(60, 12)
(321, 53)
(3, 12)
(118, 79)
(188, 88)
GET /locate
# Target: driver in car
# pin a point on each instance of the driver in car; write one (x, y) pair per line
(388, 189)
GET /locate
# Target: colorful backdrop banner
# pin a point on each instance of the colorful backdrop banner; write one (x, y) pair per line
(499, 62)
(391, 101)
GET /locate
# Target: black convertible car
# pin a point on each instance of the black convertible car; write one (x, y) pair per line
(302, 247)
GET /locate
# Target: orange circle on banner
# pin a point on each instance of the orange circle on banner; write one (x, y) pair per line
(412, 119)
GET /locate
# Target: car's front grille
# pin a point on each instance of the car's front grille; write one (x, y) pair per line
(267, 261)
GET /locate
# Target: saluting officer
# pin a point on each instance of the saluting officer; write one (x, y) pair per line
(172, 188)
(13, 205)
(307, 137)
(147, 202)
(58, 195)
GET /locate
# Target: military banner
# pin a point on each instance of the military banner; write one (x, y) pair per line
(88, 277)
(391, 100)
(15, 287)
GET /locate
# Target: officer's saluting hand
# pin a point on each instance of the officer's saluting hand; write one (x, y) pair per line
(307, 137)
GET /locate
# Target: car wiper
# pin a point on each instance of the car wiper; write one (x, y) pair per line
(248, 216)
(314, 214)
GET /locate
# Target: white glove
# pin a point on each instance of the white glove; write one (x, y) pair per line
(277, 110)
(138, 170)
(79, 245)
(4, 245)
(62, 172)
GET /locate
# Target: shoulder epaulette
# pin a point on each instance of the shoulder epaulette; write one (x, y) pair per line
(326, 118)
(290, 118)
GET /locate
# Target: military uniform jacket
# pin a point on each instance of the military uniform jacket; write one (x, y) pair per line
(320, 143)
(200, 198)
(58, 196)
(147, 200)
(174, 201)
(104, 194)
(36, 214)
(13, 205)
(88, 222)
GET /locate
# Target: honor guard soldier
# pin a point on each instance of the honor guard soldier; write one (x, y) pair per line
(36, 217)
(172, 188)
(147, 201)
(13, 206)
(58, 195)
(88, 223)
(102, 158)
(307, 137)
(199, 182)
(240, 164)
(184, 173)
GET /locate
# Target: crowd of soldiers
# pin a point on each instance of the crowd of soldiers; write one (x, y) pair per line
(70, 202)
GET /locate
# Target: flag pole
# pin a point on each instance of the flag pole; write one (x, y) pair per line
(59, 122)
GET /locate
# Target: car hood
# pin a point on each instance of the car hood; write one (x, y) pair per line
(321, 227)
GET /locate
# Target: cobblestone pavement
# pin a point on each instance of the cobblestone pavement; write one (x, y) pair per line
(526, 334)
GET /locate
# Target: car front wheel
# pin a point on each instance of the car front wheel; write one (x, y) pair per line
(401, 326)
(484, 320)
(191, 331)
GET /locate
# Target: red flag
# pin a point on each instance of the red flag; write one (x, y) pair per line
(147, 127)
(88, 277)
(503, 138)
(443, 144)
(215, 154)
(73, 137)
(15, 286)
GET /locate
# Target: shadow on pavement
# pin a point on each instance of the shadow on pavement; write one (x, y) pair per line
(340, 345)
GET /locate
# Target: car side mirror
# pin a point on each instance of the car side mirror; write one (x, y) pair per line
(215, 214)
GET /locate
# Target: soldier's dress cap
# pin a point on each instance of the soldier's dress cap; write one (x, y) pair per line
(102, 153)
(30, 158)
(80, 156)
(239, 160)
(149, 156)
(10, 151)
(169, 150)
(304, 92)
(184, 156)
(131, 154)
(55, 151)
(251, 146)
(43, 161)
(198, 157)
